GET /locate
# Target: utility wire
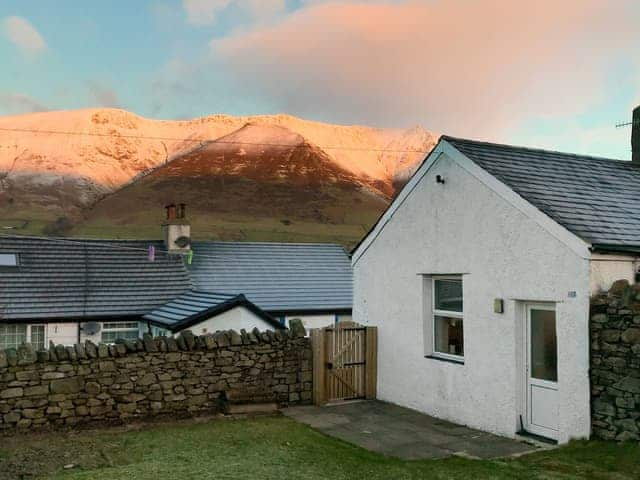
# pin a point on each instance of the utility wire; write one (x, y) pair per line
(203, 140)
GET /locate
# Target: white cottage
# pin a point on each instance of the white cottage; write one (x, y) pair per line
(479, 275)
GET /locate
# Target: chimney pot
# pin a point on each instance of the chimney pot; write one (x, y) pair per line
(635, 136)
(171, 211)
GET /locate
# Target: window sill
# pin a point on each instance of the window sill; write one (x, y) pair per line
(445, 359)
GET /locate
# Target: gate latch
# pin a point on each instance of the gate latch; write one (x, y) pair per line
(330, 365)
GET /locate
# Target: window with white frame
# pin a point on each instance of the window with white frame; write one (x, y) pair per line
(15, 334)
(111, 331)
(37, 336)
(448, 336)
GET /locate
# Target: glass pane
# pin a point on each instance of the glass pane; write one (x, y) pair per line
(37, 336)
(111, 336)
(12, 335)
(544, 348)
(448, 335)
(448, 295)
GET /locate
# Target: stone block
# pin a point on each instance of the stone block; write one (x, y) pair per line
(297, 328)
(11, 393)
(12, 356)
(628, 384)
(631, 335)
(103, 350)
(36, 390)
(67, 385)
(92, 388)
(149, 344)
(91, 349)
(26, 354)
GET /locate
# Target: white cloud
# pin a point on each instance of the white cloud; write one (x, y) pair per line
(23, 35)
(205, 12)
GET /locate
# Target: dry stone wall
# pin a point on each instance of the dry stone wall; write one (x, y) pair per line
(188, 374)
(615, 362)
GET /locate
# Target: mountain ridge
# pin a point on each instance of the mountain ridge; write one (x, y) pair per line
(45, 175)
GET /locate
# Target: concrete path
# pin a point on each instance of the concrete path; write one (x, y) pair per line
(403, 433)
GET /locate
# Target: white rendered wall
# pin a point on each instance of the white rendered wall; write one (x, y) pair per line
(464, 227)
(61, 333)
(237, 318)
(606, 269)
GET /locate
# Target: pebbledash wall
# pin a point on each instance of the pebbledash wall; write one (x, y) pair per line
(152, 376)
(615, 362)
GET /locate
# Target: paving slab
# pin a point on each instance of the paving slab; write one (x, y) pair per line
(404, 433)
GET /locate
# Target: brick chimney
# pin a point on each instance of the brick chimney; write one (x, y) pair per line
(635, 136)
(176, 229)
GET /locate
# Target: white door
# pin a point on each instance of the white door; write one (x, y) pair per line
(542, 371)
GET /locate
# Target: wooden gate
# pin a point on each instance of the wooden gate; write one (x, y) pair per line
(344, 362)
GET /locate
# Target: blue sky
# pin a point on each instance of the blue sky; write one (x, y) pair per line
(554, 75)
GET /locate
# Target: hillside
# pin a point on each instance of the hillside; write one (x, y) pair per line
(46, 175)
(288, 190)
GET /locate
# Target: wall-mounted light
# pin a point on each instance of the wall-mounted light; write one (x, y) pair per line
(498, 305)
(439, 179)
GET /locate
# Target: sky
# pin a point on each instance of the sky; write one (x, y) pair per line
(550, 74)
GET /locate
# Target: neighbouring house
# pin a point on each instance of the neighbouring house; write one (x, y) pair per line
(479, 277)
(309, 281)
(68, 290)
(206, 312)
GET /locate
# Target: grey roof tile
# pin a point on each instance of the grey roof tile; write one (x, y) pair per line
(277, 277)
(597, 199)
(86, 278)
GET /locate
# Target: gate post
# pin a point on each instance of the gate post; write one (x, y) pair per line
(317, 345)
(371, 368)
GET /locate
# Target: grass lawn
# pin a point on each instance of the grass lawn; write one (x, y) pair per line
(276, 448)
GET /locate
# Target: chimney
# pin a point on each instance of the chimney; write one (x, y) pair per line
(176, 229)
(635, 136)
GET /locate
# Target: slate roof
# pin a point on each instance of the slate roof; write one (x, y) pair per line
(597, 199)
(194, 306)
(87, 279)
(277, 277)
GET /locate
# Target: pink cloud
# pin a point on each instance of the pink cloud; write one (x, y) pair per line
(465, 67)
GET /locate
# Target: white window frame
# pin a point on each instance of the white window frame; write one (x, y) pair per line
(119, 328)
(445, 313)
(44, 334)
(28, 337)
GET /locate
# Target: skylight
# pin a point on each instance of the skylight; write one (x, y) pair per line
(8, 259)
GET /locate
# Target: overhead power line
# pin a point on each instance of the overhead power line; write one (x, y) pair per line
(205, 140)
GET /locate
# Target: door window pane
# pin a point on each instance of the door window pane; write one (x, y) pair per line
(448, 295)
(12, 335)
(544, 348)
(37, 336)
(449, 335)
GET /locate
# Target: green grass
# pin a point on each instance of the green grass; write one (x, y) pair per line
(278, 448)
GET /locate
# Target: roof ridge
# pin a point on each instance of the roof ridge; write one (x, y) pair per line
(534, 149)
(230, 242)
